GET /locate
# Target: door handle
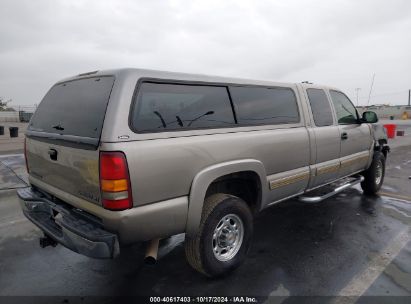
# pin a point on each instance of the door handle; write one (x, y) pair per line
(344, 136)
(53, 154)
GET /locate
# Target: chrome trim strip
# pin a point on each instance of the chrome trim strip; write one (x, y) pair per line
(351, 161)
(288, 180)
(327, 169)
(342, 164)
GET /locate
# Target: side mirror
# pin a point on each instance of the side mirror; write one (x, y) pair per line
(369, 117)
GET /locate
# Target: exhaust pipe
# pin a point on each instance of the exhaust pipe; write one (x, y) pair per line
(152, 252)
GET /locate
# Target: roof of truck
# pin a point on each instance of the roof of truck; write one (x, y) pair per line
(139, 73)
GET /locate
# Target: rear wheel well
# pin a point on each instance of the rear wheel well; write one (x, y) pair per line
(245, 185)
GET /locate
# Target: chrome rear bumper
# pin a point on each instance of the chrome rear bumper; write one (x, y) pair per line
(70, 227)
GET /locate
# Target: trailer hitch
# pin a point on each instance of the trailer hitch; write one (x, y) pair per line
(47, 241)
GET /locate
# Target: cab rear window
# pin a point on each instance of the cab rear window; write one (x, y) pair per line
(75, 108)
(320, 107)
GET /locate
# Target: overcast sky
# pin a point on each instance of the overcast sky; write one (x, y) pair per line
(339, 43)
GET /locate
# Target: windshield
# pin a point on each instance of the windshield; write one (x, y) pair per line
(74, 108)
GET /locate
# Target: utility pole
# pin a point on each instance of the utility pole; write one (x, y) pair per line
(356, 91)
(409, 97)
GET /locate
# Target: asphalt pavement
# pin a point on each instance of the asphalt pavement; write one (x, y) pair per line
(345, 249)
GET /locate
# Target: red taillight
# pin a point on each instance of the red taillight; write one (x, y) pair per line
(115, 181)
(25, 155)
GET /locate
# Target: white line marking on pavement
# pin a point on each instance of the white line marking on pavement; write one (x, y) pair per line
(362, 281)
(12, 223)
(11, 155)
(402, 198)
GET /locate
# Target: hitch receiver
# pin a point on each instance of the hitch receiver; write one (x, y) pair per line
(47, 241)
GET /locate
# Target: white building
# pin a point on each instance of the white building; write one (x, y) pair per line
(386, 111)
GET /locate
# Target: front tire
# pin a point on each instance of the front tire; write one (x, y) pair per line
(374, 175)
(224, 236)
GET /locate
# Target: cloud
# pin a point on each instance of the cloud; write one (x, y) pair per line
(339, 43)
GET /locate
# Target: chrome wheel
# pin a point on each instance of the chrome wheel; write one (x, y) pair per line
(228, 237)
(378, 172)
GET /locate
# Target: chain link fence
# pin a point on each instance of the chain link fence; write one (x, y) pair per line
(18, 113)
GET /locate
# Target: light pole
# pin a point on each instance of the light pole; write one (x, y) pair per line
(356, 91)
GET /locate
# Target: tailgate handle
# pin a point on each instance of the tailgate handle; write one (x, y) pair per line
(53, 154)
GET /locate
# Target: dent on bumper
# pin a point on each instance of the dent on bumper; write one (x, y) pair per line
(67, 226)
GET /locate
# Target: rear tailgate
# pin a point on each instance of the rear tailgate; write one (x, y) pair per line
(63, 136)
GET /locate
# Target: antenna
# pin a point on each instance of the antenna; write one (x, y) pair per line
(356, 91)
(372, 84)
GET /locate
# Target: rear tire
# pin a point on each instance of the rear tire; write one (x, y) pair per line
(374, 175)
(224, 236)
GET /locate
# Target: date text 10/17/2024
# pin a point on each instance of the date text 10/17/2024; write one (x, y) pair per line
(203, 299)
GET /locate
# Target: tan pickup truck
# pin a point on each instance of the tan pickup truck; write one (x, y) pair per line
(123, 156)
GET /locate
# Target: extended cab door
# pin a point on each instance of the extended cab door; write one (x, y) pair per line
(325, 138)
(356, 139)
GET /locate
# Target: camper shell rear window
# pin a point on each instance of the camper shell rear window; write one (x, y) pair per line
(73, 110)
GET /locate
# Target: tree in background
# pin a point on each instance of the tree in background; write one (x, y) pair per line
(3, 105)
